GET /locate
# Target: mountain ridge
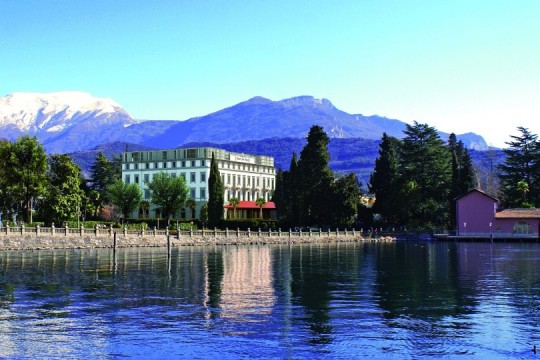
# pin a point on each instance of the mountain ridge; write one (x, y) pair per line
(74, 121)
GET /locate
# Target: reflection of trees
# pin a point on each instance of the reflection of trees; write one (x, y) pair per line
(215, 280)
(317, 273)
(421, 280)
(136, 277)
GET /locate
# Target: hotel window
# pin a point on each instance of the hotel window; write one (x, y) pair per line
(146, 194)
(164, 165)
(203, 163)
(203, 177)
(192, 193)
(136, 179)
(183, 175)
(156, 165)
(183, 164)
(173, 175)
(136, 166)
(127, 179)
(202, 192)
(164, 155)
(174, 164)
(229, 179)
(192, 177)
(147, 165)
(193, 163)
(146, 178)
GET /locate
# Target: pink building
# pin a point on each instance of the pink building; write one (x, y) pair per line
(477, 215)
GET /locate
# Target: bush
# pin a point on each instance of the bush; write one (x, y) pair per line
(244, 224)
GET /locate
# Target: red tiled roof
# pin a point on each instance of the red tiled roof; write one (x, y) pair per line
(518, 213)
(245, 205)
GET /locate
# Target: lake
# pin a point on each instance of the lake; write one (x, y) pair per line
(339, 301)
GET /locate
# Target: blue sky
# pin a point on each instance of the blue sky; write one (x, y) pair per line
(457, 65)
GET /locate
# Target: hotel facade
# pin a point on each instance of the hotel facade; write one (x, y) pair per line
(246, 177)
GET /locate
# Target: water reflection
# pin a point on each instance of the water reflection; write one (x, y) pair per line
(288, 301)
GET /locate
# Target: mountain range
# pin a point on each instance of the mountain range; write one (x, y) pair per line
(66, 122)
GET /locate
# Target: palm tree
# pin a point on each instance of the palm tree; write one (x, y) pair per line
(260, 202)
(234, 202)
(145, 206)
(190, 203)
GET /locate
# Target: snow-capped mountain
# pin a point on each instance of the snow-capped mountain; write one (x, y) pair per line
(62, 120)
(75, 121)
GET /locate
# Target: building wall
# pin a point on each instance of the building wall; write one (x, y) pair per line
(244, 176)
(517, 226)
(475, 213)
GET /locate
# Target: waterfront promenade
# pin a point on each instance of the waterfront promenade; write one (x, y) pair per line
(43, 238)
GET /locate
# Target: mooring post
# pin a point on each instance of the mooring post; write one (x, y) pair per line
(114, 241)
(168, 246)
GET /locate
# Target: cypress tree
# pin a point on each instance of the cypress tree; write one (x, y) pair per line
(385, 181)
(345, 200)
(215, 195)
(463, 176)
(315, 177)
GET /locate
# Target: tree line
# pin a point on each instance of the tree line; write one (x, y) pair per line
(52, 189)
(308, 194)
(417, 179)
(415, 182)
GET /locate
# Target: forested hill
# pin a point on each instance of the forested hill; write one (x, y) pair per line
(346, 155)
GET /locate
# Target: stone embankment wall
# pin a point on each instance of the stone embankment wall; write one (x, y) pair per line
(14, 241)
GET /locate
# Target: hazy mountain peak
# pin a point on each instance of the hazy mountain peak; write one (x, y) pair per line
(307, 100)
(257, 100)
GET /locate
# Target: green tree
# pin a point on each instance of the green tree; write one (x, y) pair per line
(25, 173)
(425, 168)
(191, 204)
(463, 176)
(215, 195)
(168, 193)
(203, 215)
(260, 202)
(126, 197)
(144, 206)
(345, 201)
(386, 182)
(522, 164)
(103, 173)
(64, 194)
(287, 194)
(315, 178)
(7, 199)
(234, 202)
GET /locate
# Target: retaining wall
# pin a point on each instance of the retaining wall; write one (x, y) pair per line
(15, 241)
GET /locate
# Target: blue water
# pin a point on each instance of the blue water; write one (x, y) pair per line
(338, 301)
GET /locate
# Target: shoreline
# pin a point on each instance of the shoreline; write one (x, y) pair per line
(32, 242)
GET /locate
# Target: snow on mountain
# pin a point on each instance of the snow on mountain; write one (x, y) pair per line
(52, 112)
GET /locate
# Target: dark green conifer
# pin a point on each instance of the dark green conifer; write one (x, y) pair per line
(215, 195)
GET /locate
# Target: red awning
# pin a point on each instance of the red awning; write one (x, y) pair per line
(247, 205)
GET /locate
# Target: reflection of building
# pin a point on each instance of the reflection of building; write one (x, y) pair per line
(247, 286)
(246, 177)
(476, 213)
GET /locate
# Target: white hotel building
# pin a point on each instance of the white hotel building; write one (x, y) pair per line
(246, 177)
